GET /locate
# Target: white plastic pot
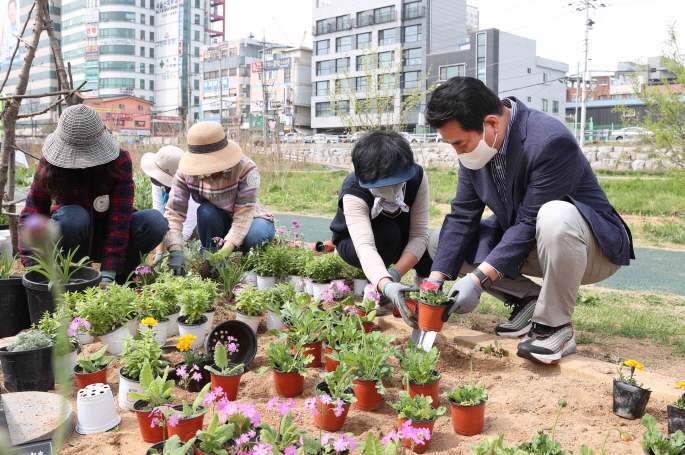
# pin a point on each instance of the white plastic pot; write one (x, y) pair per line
(85, 338)
(265, 282)
(132, 327)
(95, 409)
(114, 340)
(193, 329)
(172, 327)
(359, 286)
(294, 279)
(317, 289)
(67, 361)
(309, 286)
(251, 277)
(126, 386)
(160, 331)
(210, 320)
(273, 321)
(252, 321)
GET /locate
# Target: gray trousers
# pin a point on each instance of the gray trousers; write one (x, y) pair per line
(566, 256)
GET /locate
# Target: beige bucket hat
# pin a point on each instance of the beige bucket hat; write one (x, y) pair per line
(162, 166)
(209, 150)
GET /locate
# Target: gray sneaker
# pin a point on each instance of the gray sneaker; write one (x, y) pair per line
(545, 344)
(519, 322)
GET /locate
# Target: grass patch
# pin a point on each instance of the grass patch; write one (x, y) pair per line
(666, 232)
(646, 197)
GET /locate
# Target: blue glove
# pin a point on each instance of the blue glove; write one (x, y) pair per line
(466, 294)
(176, 262)
(394, 274)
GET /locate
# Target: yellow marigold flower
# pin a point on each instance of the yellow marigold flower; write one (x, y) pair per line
(680, 385)
(149, 322)
(634, 364)
(184, 343)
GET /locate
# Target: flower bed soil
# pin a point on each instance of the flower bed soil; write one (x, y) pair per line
(522, 399)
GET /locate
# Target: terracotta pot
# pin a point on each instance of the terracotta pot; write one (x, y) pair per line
(330, 364)
(147, 431)
(229, 384)
(430, 317)
(288, 385)
(418, 448)
(413, 305)
(396, 312)
(315, 350)
(368, 398)
(326, 419)
(186, 428)
(431, 389)
(367, 326)
(86, 379)
(630, 401)
(467, 420)
(288, 328)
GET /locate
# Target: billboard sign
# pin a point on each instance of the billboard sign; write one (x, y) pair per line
(269, 65)
(92, 30)
(10, 26)
(91, 53)
(116, 41)
(92, 15)
(90, 64)
(126, 91)
(213, 84)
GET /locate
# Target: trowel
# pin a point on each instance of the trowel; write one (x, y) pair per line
(423, 338)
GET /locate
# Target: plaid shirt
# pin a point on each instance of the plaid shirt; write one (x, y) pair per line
(116, 218)
(235, 192)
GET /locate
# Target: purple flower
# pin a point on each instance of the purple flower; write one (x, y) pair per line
(195, 368)
(271, 403)
(291, 450)
(325, 398)
(338, 410)
(181, 372)
(339, 445)
(280, 231)
(142, 270)
(209, 399)
(218, 241)
(262, 449)
(197, 376)
(297, 235)
(173, 421)
(310, 404)
(154, 422)
(293, 222)
(232, 347)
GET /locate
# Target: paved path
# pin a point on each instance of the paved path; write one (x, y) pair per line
(654, 270)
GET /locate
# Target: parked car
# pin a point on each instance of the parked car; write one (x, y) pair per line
(325, 139)
(291, 138)
(308, 139)
(355, 137)
(631, 133)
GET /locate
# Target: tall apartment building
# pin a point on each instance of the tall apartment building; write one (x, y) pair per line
(509, 66)
(399, 32)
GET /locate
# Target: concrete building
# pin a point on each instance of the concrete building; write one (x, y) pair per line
(401, 33)
(472, 20)
(124, 114)
(508, 65)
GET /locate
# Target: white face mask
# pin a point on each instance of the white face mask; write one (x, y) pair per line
(480, 156)
(389, 193)
(389, 199)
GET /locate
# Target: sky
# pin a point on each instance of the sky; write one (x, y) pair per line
(624, 30)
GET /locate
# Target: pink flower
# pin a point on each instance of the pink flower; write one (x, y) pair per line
(286, 406)
(173, 421)
(142, 270)
(218, 241)
(325, 398)
(218, 391)
(271, 403)
(230, 338)
(291, 450)
(154, 422)
(181, 372)
(232, 347)
(243, 439)
(338, 410)
(280, 231)
(262, 449)
(75, 325)
(297, 235)
(391, 437)
(209, 399)
(339, 445)
(310, 403)
(197, 376)
(195, 368)
(300, 283)
(429, 286)
(326, 438)
(226, 408)
(293, 222)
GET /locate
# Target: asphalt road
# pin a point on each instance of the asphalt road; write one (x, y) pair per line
(654, 270)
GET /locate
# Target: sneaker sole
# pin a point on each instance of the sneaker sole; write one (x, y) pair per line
(516, 334)
(550, 359)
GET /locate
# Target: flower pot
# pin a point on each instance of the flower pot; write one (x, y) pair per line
(85, 379)
(413, 305)
(252, 321)
(115, 340)
(210, 320)
(630, 401)
(430, 316)
(95, 409)
(27, 370)
(326, 419)
(418, 448)
(245, 338)
(359, 286)
(132, 327)
(86, 338)
(186, 428)
(159, 447)
(367, 326)
(297, 279)
(273, 321)
(172, 328)
(288, 385)
(14, 307)
(330, 364)
(396, 312)
(309, 286)
(229, 384)
(676, 419)
(40, 298)
(147, 431)
(368, 398)
(431, 389)
(197, 329)
(160, 330)
(265, 282)
(317, 289)
(249, 277)
(126, 386)
(68, 360)
(467, 420)
(315, 350)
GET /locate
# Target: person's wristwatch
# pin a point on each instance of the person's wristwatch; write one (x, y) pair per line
(485, 281)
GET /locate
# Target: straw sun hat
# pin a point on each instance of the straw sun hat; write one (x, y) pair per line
(162, 166)
(80, 141)
(209, 150)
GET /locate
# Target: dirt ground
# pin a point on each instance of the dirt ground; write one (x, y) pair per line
(523, 398)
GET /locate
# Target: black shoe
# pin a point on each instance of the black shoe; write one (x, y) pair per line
(545, 344)
(519, 322)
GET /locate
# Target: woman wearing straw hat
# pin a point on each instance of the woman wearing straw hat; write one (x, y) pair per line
(215, 173)
(84, 182)
(161, 168)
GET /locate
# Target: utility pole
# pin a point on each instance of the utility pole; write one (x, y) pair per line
(265, 94)
(575, 115)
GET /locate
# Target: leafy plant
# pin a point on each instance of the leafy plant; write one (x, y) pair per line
(373, 446)
(272, 260)
(417, 409)
(324, 268)
(494, 348)
(470, 394)
(541, 444)
(305, 322)
(656, 443)
(417, 365)
(492, 446)
(221, 360)
(278, 296)
(198, 298)
(288, 433)
(680, 404)
(97, 361)
(230, 274)
(369, 355)
(63, 265)
(431, 293)
(634, 365)
(353, 273)
(140, 352)
(106, 310)
(174, 446)
(27, 341)
(213, 440)
(339, 382)
(158, 390)
(281, 359)
(249, 300)
(6, 264)
(341, 331)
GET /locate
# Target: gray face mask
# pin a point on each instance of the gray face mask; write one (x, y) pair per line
(389, 193)
(388, 199)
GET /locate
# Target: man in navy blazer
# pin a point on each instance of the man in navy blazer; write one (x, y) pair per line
(551, 219)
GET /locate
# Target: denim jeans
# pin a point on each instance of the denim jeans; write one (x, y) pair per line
(214, 222)
(148, 228)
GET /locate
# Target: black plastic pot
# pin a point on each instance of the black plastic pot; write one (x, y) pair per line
(159, 447)
(245, 339)
(14, 307)
(194, 386)
(40, 297)
(676, 419)
(630, 401)
(25, 371)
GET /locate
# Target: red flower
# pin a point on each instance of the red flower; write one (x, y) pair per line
(429, 286)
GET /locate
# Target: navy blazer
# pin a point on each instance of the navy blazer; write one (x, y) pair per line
(543, 163)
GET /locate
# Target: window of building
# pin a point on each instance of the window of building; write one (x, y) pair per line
(152, 87)
(325, 26)
(128, 33)
(152, 36)
(142, 84)
(531, 99)
(141, 107)
(481, 41)
(117, 66)
(365, 62)
(602, 97)
(388, 36)
(142, 51)
(74, 38)
(142, 18)
(321, 88)
(387, 81)
(450, 71)
(342, 107)
(322, 3)
(117, 82)
(197, 35)
(546, 77)
(342, 65)
(365, 18)
(385, 105)
(122, 106)
(410, 79)
(152, 52)
(343, 44)
(196, 68)
(232, 51)
(412, 10)
(363, 41)
(142, 35)
(412, 56)
(196, 84)
(342, 22)
(196, 51)
(343, 85)
(197, 3)
(555, 107)
(386, 59)
(232, 92)
(615, 97)
(322, 47)
(286, 75)
(360, 83)
(142, 67)
(76, 53)
(544, 105)
(196, 101)
(121, 16)
(233, 71)
(385, 14)
(323, 109)
(324, 67)
(119, 49)
(603, 82)
(529, 71)
(75, 22)
(152, 20)
(75, 6)
(197, 19)
(412, 33)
